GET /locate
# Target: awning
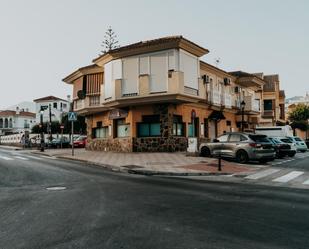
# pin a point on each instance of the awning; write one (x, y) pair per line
(216, 115)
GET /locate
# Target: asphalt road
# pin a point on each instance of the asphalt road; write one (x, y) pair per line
(102, 209)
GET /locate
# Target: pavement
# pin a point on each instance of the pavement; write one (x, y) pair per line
(51, 203)
(177, 164)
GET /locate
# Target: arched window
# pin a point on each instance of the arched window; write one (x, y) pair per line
(6, 123)
(10, 123)
(1, 123)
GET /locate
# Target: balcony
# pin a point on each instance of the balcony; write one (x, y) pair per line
(226, 100)
(268, 114)
(90, 102)
(214, 97)
(251, 104)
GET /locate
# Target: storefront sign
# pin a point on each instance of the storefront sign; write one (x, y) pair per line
(118, 113)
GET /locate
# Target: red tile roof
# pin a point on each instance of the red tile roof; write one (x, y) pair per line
(48, 98)
(13, 113)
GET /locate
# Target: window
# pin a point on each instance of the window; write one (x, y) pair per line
(234, 138)
(101, 132)
(178, 126)
(150, 127)
(55, 105)
(223, 138)
(268, 104)
(122, 129)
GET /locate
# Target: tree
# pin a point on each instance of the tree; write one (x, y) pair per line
(299, 117)
(79, 126)
(110, 41)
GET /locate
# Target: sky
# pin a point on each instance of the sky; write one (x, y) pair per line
(42, 41)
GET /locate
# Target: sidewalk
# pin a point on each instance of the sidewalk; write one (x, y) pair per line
(176, 164)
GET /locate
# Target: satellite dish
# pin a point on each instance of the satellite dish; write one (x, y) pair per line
(81, 94)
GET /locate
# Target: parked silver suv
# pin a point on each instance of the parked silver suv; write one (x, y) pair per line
(243, 147)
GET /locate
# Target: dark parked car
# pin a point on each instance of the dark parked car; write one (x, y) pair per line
(63, 142)
(282, 149)
(241, 146)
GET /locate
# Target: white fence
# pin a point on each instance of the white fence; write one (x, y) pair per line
(18, 138)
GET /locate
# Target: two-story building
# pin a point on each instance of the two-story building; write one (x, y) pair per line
(16, 121)
(55, 106)
(154, 95)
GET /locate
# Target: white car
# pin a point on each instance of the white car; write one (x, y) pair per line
(299, 143)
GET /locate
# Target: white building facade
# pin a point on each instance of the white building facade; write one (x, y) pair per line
(57, 106)
(18, 121)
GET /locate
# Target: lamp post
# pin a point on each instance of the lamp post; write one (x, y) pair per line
(242, 104)
(42, 133)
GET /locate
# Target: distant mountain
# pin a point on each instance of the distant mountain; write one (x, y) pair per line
(26, 105)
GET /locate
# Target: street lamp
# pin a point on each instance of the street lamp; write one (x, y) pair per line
(242, 105)
(42, 134)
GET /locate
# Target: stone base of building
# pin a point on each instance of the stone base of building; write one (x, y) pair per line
(115, 144)
(160, 144)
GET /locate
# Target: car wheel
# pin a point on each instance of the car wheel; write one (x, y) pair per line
(292, 154)
(205, 152)
(242, 156)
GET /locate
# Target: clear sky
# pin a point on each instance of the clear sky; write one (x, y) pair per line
(43, 41)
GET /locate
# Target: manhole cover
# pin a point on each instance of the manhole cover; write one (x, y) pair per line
(56, 188)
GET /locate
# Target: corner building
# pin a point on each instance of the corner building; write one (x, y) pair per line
(153, 95)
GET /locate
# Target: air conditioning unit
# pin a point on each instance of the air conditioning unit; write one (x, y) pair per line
(237, 89)
(206, 79)
(227, 81)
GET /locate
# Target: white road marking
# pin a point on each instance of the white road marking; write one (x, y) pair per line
(21, 158)
(262, 174)
(288, 177)
(34, 157)
(306, 182)
(56, 188)
(6, 158)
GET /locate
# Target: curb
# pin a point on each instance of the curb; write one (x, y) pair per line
(121, 169)
(163, 173)
(10, 147)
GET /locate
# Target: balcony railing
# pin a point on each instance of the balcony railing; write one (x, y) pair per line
(227, 100)
(251, 104)
(214, 97)
(268, 114)
(94, 100)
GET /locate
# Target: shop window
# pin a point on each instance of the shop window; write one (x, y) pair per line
(101, 132)
(178, 126)
(150, 127)
(122, 129)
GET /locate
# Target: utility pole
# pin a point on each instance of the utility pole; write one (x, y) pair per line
(42, 132)
(50, 122)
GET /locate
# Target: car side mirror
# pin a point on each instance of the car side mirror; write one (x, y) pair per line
(216, 140)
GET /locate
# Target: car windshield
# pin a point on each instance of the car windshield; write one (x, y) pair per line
(259, 138)
(81, 138)
(297, 139)
(286, 140)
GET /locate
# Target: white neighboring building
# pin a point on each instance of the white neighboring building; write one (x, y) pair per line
(58, 108)
(27, 106)
(16, 121)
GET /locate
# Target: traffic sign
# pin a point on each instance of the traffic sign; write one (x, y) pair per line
(72, 116)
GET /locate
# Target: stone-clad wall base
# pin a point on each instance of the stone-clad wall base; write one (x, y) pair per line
(116, 144)
(160, 144)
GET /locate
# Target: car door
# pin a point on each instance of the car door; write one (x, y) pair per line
(218, 147)
(232, 144)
